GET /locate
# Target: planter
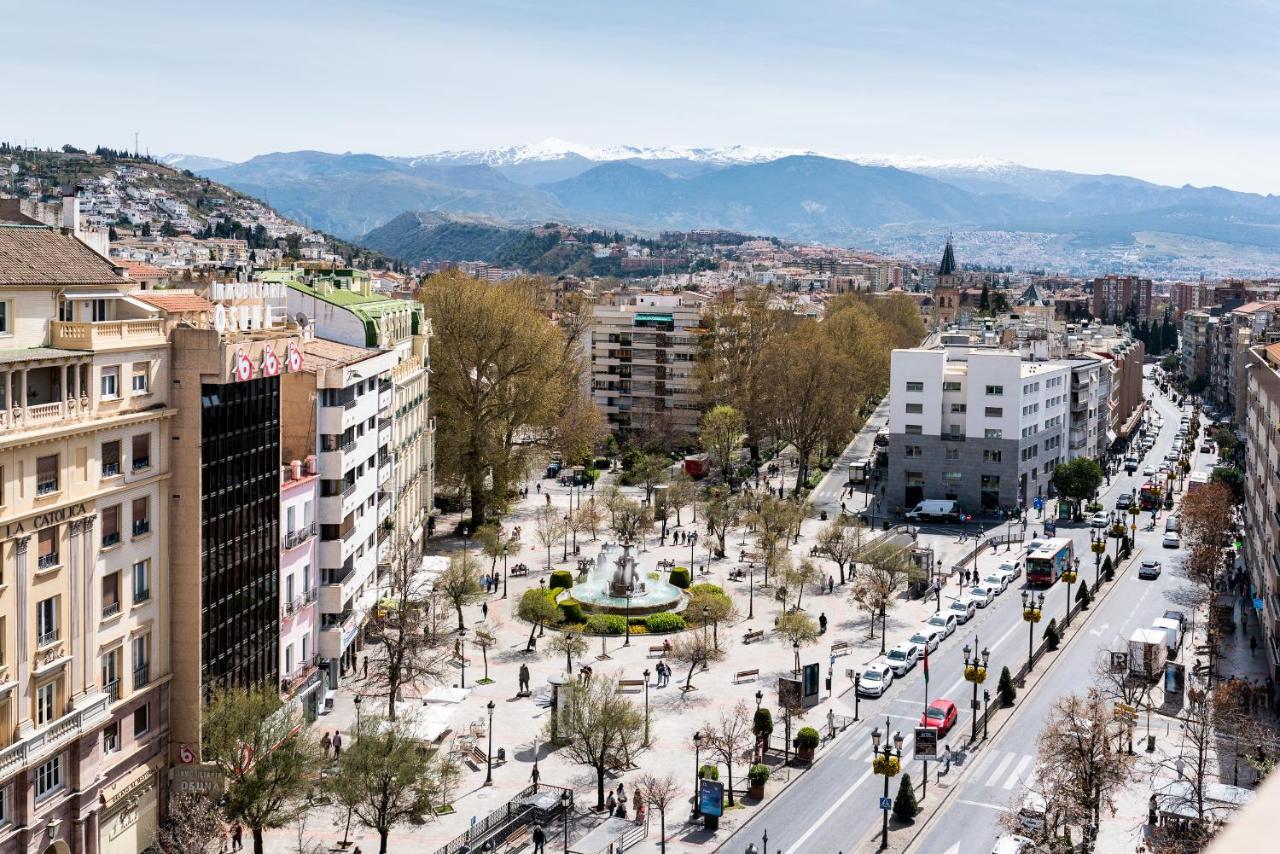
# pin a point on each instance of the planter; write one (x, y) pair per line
(756, 791)
(805, 754)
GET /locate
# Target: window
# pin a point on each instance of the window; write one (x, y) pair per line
(994, 412)
(111, 458)
(141, 721)
(141, 661)
(288, 659)
(99, 307)
(111, 674)
(4, 318)
(306, 648)
(953, 475)
(46, 621)
(141, 516)
(995, 390)
(141, 581)
(141, 451)
(47, 548)
(992, 434)
(110, 526)
(141, 378)
(953, 453)
(914, 478)
(951, 385)
(911, 451)
(5, 814)
(915, 408)
(46, 703)
(111, 737)
(913, 430)
(49, 777)
(959, 407)
(912, 386)
(110, 379)
(991, 481)
(989, 456)
(110, 595)
(47, 475)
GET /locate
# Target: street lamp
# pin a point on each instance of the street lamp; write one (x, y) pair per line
(937, 593)
(697, 771)
(1098, 545)
(488, 757)
(857, 695)
(706, 619)
(795, 647)
(566, 802)
(1032, 607)
(357, 702)
(627, 642)
(462, 653)
(751, 591)
(1070, 575)
(975, 672)
(646, 707)
(759, 698)
(887, 763)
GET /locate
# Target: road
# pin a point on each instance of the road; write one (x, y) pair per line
(834, 806)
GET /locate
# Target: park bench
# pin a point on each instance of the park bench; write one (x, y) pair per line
(840, 648)
(746, 674)
(519, 839)
(519, 569)
(629, 684)
(753, 636)
(660, 649)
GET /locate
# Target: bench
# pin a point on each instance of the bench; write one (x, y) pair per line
(519, 570)
(746, 674)
(840, 648)
(658, 650)
(519, 839)
(753, 636)
(628, 684)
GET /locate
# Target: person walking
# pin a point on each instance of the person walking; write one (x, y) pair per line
(822, 623)
(524, 679)
(237, 837)
(539, 839)
(611, 804)
(337, 745)
(831, 584)
(325, 744)
(484, 610)
(1253, 646)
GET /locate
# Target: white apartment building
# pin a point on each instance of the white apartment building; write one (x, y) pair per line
(978, 426)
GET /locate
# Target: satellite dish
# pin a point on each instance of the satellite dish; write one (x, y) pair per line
(302, 320)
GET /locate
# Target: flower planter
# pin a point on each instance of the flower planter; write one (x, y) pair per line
(805, 754)
(756, 791)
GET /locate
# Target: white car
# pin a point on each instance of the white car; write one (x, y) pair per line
(1171, 540)
(962, 609)
(997, 581)
(943, 621)
(1148, 471)
(927, 638)
(902, 657)
(1012, 843)
(875, 679)
(1101, 519)
(1012, 569)
(983, 589)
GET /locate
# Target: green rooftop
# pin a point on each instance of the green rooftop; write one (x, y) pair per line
(368, 307)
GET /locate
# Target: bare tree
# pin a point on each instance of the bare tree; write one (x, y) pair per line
(548, 527)
(630, 521)
(680, 494)
(719, 513)
(193, 825)
(841, 543)
(460, 584)
(592, 516)
(567, 643)
(1076, 738)
(731, 738)
(794, 575)
(661, 793)
(602, 729)
(484, 640)
(693, 649)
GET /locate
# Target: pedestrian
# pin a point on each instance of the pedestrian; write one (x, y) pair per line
(539, 839)
(484, 610)
(237, 837)
(548, 497)
(1253, 645)
(337, 745)
(831, 584)
(366, 665)
(637, 803)
(538, 486)
(325, 744)
(536, 775)
(611, 803)
(524, 679)
(822, 623)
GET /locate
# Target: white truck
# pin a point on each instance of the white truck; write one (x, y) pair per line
(1172, 631)
(1147, 653)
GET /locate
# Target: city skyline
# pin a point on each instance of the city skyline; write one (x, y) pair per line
(1093, 89)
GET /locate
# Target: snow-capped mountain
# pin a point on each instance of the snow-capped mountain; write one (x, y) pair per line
(194, 162)
(559, 149)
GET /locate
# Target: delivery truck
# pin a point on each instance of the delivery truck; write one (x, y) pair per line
(1148, 651)
(1173, 634)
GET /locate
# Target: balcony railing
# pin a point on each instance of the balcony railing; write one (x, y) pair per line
(141, 526)
(48, 561)
(952, 437)
(293, 539)
(111, 539)
(110, 469)
(350, 404)
(141, 463)
(75, 335)
(140, 596)
(112, 689)
(47, 638)
(45, 487)
(111, 610)
(141, 675)
(350, 490)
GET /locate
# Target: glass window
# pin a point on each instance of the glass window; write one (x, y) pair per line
(141, 516)
(959, 407)
(995, 389)
(994, 412)
(110, 526)
(47, 621)
(47, 475)
(141, 721)
(913, 430)
(111, 737)
(110, 382)
(110, 595)
(951, 385)
(141, 581)
(915, 408)
(914, 386)
(111, 458)
(111, 674)
(47, 548)
(4, 317)
(46, 703)
(141, 451)
(993, 434)
(49, 777)
(141, 378)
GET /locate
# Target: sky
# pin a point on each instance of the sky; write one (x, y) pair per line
(1167, 90)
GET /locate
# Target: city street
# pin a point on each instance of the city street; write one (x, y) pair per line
(834, 807)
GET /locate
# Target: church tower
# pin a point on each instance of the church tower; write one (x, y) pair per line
(946, 296)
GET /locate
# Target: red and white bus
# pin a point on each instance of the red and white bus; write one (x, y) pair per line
(1048, 560)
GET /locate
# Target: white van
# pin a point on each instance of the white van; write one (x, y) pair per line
(935, 511)
(1172, 631)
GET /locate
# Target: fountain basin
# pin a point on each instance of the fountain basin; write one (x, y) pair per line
(655, 598)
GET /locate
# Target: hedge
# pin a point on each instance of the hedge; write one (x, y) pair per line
(664, 623)
(707, 588)
(607, 624)
(561, 578)
(758, 774)
(808, 738)
(709, 772)
(571, 610)
(680, 578)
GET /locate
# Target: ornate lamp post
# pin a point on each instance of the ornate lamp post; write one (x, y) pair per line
(697, 771)
(357, 702)
(462, 653)
(975, 672)
(751, 591)
(1032, 607)
(488, 757)
(795, 647)
(759, 698)
(566, 803)
(646, 707)
(886, 762)
(1070, 576)
(706, 619)
(1098, 545)
(627, 642)
(857, 696)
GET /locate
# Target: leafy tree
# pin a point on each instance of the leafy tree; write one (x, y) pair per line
(1051, 636)
(719, 513)
(460, 583)
(984, 301)
(630, 521)
(681, 492)
(773, 520)
(1077, 479)
(797, 628)
(1083, 596)
(268, 764)
(720, 434)
(384, 778)
(904, 805)
(1232, 478)
(717, 608)
(538, 608)
(602, 729)
(567, 643)
(794, 575)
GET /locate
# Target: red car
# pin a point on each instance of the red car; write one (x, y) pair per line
(941, 715)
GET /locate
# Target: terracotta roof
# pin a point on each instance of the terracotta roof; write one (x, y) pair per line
(318, 354)
(40, 255)
(177, 302)
(143, 270)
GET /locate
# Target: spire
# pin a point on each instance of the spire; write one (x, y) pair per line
(948, 265)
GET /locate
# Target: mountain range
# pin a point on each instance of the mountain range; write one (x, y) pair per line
(1003, 212)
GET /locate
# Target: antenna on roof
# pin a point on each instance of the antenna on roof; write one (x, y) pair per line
(303, 321)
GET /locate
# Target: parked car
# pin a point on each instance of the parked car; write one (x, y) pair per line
(1171, 540)
(998, 581)
(1012, 843)
(875, 679)
(1130, 464)
(963, 609)
(1100, 519)
(1148, 471)
(941, 715)
(1206, 448)
(928, 637)
(1008, 572)
(1123, 502)
(1171, 524)
(943, 621)
(1150, 569)
(902, 657)
(1179, 616)
(980, 596)
(1012, 568)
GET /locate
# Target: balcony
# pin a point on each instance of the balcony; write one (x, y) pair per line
(384, 473)
(111, 469)
(48, 561)
(109, 540)
(112, 690)
(141, 526)
(47, 639)
(293, 539)
(141, 676)
(46, 487)
(140, 463)
(140, 596)
(44, 741)
(110, 610)
(108, 334)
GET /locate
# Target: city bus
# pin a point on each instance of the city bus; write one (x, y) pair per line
(1149, 496)
(1048, 560)
(1196, 480)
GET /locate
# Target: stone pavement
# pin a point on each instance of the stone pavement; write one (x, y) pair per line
(518, 723)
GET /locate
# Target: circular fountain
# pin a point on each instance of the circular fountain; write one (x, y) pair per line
(623, 591)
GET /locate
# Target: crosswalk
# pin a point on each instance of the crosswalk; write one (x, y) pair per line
(1004, 770)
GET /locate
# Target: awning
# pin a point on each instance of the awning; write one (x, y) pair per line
(136, 303)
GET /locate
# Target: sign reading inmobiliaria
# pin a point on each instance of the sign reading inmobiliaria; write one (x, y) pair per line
(242, 307)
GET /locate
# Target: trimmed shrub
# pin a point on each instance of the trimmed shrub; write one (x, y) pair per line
(1083, 596)
(680, 577)
(808, 738)
(758, 774)
(560, 579)
(570, 610)
(905, 806)
(607, 624)
(762, 723)
(707, 588)
(709, 772)
(1108, 569)
(1006, 689)
(656, 623)
(1051, 636)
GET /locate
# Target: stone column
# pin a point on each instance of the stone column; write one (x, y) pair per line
(74, 596)
(91, 833)
(22, 388)
(22, 663)
(90, 631)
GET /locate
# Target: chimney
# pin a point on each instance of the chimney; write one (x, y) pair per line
(311, 464)
(295, 469)
(71, 211)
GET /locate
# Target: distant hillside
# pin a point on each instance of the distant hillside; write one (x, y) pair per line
(417, 236)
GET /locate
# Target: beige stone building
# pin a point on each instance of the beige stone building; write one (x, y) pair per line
(84, 474)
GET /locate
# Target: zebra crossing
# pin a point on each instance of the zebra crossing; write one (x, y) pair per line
(1003, 770)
